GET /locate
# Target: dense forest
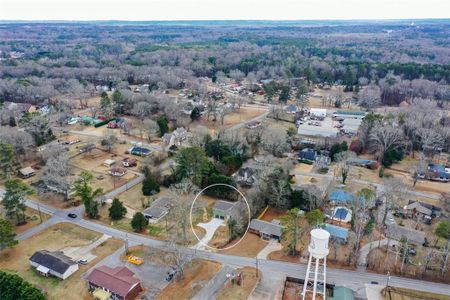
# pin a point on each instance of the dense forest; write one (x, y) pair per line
(46, 61)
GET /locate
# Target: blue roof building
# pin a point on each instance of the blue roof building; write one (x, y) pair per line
(337, 233)
(307, 154)
(341, 196)
(139, 151)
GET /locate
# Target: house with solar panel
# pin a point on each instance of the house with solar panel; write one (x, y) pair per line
(340, 214)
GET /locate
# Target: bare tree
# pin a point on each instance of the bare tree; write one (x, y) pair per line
(274, 141)
(385, 137)
(56, 174)
(369, 97)
(152, 129)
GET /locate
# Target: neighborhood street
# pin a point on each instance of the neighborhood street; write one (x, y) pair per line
(277, 269)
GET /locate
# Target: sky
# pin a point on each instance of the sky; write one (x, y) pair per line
(221, 9)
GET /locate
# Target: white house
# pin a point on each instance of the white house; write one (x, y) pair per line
(53, 263)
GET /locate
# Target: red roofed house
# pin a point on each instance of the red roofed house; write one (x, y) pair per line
(118, 282)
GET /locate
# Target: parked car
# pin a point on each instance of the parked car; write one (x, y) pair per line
(72, 215)
(82, 261)
(170, 275)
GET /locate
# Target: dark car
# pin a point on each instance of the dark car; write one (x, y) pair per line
(72, 215)
(83, 261)
(170, 275)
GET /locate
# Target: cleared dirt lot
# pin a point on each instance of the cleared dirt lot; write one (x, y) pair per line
(250, 246)
(55, 238)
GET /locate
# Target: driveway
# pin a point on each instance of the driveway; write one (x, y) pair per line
(210, 228)
(273, 245)
(85, 252)
(214, 285)
(364, 251)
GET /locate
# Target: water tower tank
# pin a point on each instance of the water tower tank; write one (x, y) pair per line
(318, 247)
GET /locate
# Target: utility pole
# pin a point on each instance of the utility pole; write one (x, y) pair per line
(39, 210)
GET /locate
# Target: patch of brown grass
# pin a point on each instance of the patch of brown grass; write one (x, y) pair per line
(196, 276)
(250, 246)
(242, 292)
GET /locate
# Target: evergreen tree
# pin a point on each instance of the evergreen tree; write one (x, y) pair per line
(7, 159)
(139, 222)
(117, 211)
(14, 199)
(13, 287)
(150, 186)
(7, 234)
(87, 194)
(163, 124)
(195, 114)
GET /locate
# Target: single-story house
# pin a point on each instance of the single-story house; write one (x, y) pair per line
(158, 209)
(27, 172)
(348, 114)
(413, 236)
(416, 211)
(119, 282)
(245, 176)
(223, 209)
(129, 162)
(319, 113)
(53, 263)
(337, 233)
(253, 124)
(291, 109)
(139, 151)
(316, 131)
(307, 154)
(266, 230)
(437, 172)
(87, 148)
(177, 137)
(341, 214)
(435, 210)
(109, 162)
(117, 171)
(341, 197)
(19, 108)
(366, 163)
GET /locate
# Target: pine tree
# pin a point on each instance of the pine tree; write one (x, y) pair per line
(117, 211)
(139, 222)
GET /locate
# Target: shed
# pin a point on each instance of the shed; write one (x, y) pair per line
(341, 293)
(109, 162)
(27, 172)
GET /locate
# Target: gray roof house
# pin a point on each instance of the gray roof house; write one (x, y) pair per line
(53, 263)
(414, 236)
(223, 209)
(158, 209)
(266, 230)
(245, 176)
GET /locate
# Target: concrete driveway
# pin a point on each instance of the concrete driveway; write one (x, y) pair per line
(271, 246)
(210, 228)
(84, 252)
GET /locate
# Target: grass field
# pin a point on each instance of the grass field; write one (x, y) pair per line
(55, 238)
(250, 246)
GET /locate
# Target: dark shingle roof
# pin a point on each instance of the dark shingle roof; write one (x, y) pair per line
(266, 227)
(223, 205)
(55, 261)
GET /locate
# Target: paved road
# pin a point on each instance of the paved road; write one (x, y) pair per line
(352, 279)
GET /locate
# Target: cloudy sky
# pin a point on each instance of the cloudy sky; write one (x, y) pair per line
(221, 9)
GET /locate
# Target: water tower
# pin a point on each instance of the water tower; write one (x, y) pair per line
(315, 280)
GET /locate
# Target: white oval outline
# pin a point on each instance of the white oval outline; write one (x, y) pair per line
(192, 207)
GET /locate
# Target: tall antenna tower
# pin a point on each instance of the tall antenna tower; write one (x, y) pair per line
(315, 280)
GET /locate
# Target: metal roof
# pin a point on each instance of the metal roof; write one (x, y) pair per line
(336, 231)
(266, 227)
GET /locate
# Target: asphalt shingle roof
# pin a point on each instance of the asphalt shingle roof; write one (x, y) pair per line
(55, 261)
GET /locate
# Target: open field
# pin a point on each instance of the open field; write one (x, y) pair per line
(197, 275)
(55, 238)
(242, 292)
(250, 246)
